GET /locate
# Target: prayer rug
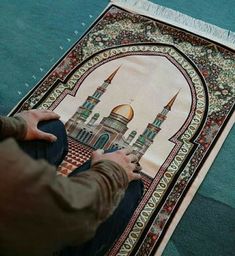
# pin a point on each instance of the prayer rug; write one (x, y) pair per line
(143, 77)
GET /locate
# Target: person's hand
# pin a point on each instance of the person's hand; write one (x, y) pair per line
(123, 157)
(32, 118)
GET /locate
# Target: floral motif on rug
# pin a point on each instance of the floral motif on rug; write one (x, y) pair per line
(132, 81)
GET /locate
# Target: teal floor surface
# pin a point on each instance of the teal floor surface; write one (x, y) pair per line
(35, 34)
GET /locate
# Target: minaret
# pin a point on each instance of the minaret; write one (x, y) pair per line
(93, 119)
(131, 137)
(85, 110)
(161, 117)
(146, 138)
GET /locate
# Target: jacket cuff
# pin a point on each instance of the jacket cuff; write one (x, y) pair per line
(15, 127)
(109, 166)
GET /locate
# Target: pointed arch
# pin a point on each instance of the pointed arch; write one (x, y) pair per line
(103, 139)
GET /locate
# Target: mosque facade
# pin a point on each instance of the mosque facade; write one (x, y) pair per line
(110, 132)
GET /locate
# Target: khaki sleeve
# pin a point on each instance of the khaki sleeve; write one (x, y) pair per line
(50, 210)
(12, 127)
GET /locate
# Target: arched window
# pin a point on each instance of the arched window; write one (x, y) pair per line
(90, 135)
(149, 134)
(81, 134)
(84, 139)
(153, 135)
(87, 137)
(103, 139)
(84, 136)
(88, 105)
(146, 132)
(114, 146)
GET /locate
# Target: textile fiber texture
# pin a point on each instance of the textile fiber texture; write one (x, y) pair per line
(134, 81)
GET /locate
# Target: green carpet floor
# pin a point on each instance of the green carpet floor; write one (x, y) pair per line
(35, 34)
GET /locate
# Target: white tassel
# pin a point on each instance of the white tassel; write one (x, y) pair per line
(147, 8)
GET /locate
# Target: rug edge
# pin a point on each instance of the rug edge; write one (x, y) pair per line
(195, 186)
(178, 19)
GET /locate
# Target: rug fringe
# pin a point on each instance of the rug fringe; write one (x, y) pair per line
(145, 7)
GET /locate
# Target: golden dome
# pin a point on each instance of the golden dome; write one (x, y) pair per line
(124, 110)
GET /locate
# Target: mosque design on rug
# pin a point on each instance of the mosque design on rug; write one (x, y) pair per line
(109, 133)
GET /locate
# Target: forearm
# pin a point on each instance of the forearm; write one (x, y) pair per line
(89, 199)
(50, 210)
(110, 182)
(12, 127)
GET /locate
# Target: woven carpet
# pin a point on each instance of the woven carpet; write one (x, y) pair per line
(132, 80)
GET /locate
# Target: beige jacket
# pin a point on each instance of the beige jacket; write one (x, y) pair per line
(41, 212)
